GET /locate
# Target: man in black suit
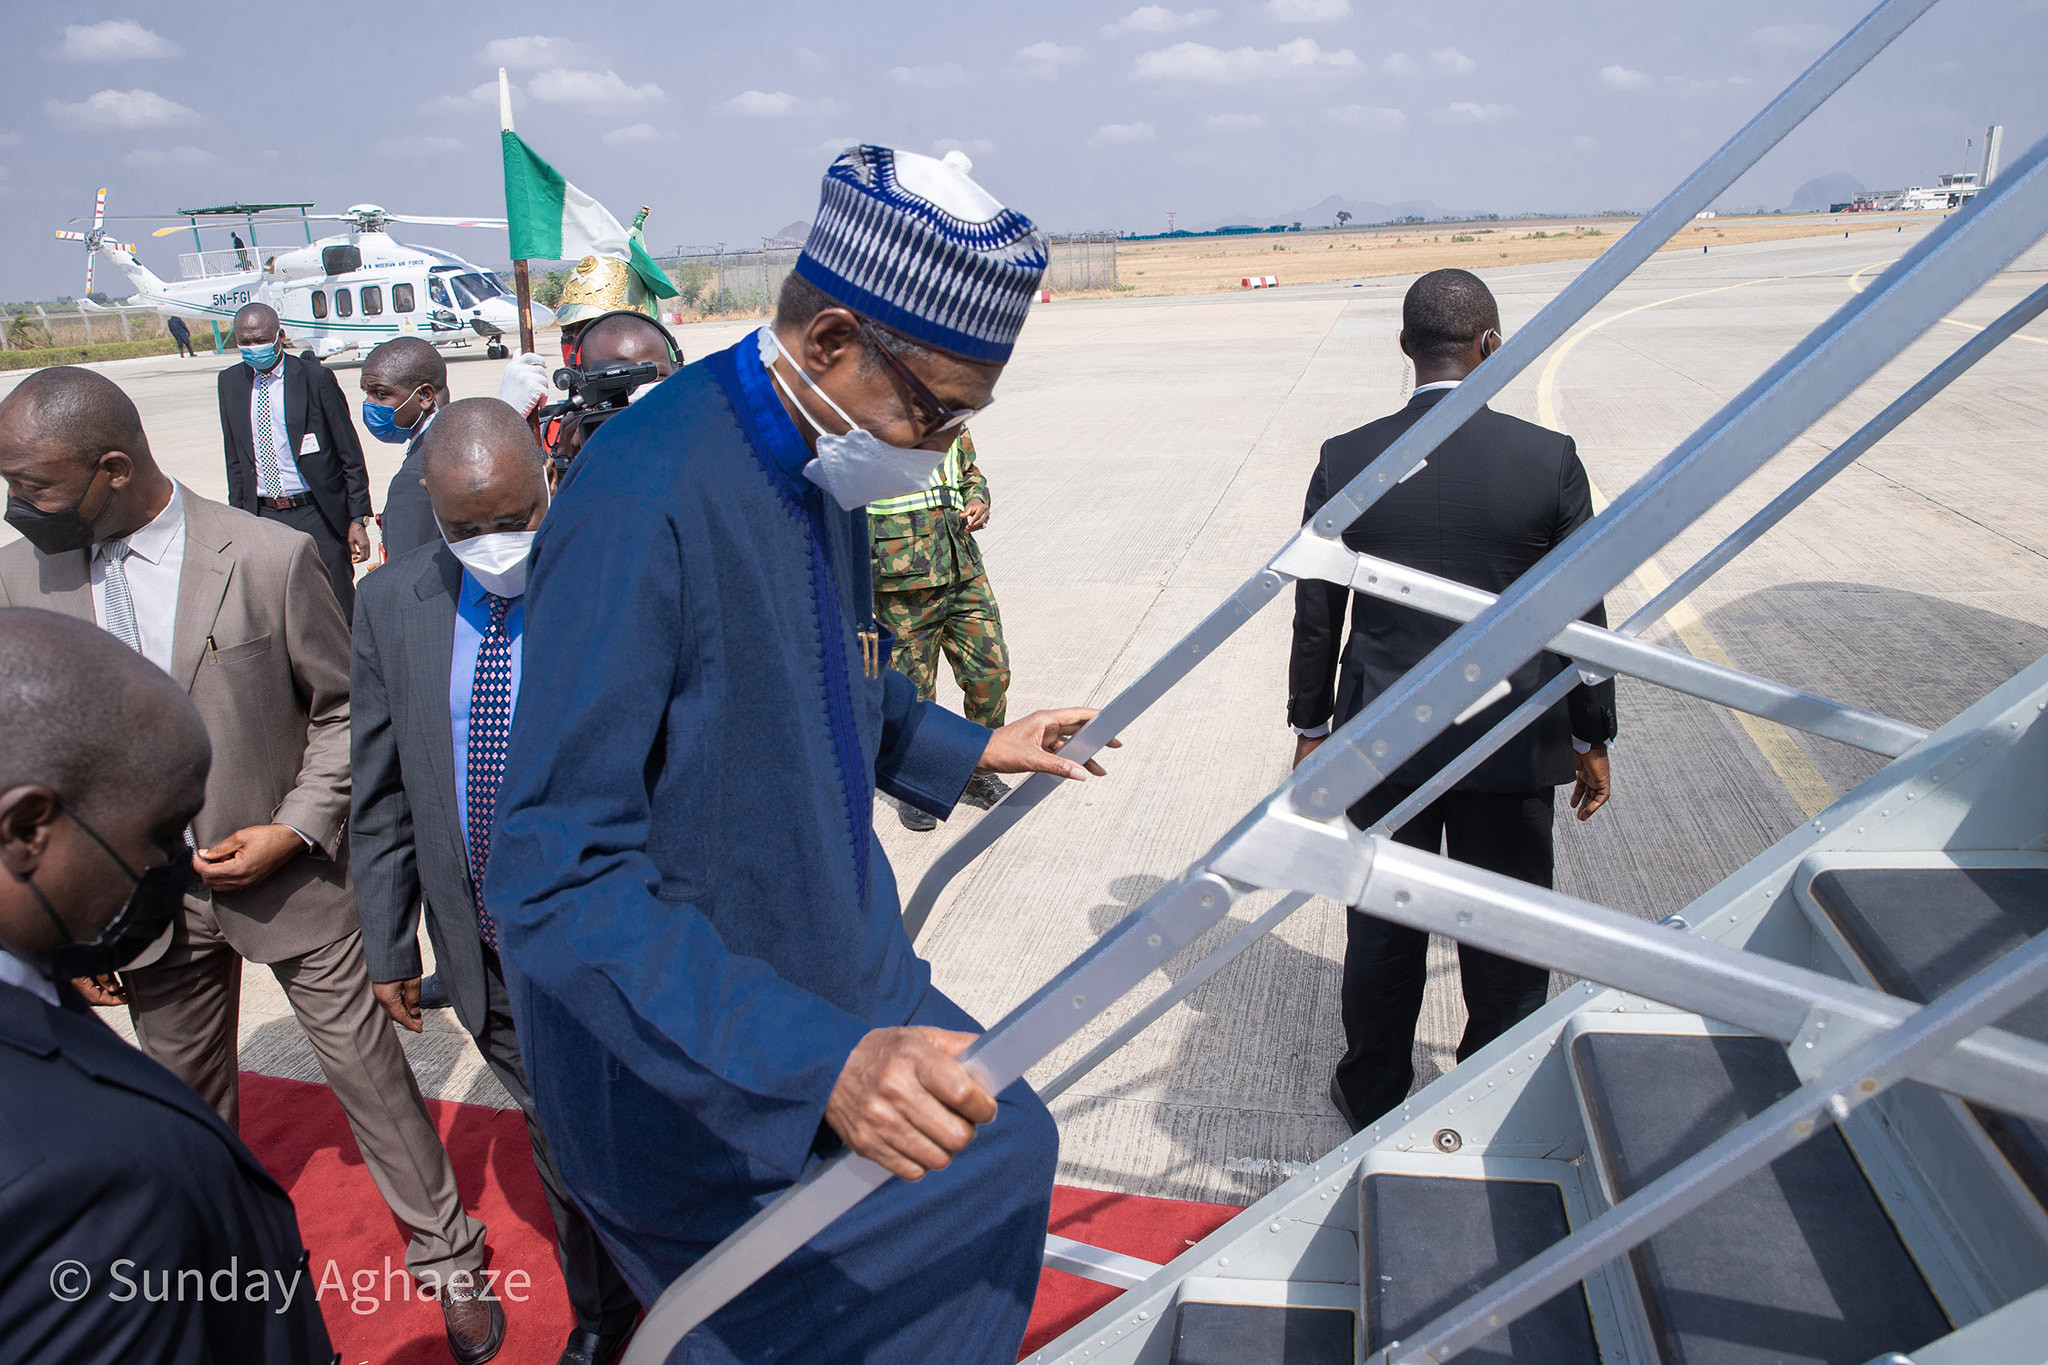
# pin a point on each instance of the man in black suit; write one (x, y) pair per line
(291, 448)
(405, 382)
(1489, 503)
(114, 1176)
(436, 666)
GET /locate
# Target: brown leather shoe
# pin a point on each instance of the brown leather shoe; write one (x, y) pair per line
(476, 1324)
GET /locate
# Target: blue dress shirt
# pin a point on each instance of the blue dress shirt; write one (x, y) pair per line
(472, 619)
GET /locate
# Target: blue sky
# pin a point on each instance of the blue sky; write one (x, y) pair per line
(1083, 116)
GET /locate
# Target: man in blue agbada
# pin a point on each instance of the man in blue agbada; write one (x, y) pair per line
(714, 987)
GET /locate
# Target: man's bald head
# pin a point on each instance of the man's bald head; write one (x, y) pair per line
(629, 338)
(86, 716)
(80, 413)
(255, 324)
(1444, 317)
(483, 469)
(406, 363)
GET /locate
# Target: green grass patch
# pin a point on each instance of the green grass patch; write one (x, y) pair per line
(79, 355)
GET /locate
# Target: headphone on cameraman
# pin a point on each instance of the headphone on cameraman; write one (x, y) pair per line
(574, 353)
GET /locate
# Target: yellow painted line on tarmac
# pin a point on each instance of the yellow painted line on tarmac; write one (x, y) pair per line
(1856, 287)
(1809, 790)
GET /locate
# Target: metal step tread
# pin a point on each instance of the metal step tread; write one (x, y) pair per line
(1258, 1334)
(1795, 1265)
(1430, 1242)
(1920, 930)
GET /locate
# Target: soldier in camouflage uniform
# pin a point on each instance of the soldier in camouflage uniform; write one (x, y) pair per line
(932, 592)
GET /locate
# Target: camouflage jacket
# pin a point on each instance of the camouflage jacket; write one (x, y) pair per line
(921, 540)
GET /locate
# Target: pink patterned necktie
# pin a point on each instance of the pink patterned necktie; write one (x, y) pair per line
(490, 732)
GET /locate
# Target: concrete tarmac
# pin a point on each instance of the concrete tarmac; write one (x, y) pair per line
(1147, 456)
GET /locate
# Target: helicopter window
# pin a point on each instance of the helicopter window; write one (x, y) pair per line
(319, 304)
(401, 298)
(344, 306)
(373, 300)
(468, 288)
(437, 291)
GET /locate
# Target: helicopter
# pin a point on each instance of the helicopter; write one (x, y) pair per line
(341, 293)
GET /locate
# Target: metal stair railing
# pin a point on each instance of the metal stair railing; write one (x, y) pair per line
(1296, 839)
(1778, 118)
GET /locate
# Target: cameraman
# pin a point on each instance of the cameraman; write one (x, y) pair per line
(624, 338)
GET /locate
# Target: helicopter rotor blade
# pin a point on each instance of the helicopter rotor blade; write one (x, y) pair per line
(99, 211)
(64, 236)
(445, 222)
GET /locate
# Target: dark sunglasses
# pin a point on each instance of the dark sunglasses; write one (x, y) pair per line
(944, 418)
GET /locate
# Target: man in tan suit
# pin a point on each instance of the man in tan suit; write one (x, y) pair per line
(241, 614)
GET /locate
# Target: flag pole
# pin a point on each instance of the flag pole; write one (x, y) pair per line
(520, 283)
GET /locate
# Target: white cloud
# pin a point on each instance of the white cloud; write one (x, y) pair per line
(1369, 118)
(1584, 143)
(762, 103)
(1122, 134)
(979, 146)
(116, 40)
(950, 76)
(419, 146)
(1200, 62)
(485, 95)
(812, 61)
(1158, 19)
(599, 89)
(1793, 37)
(149, 158)
(1400, 64)
(1465, 111)
(10, 139)
(1235, 123)
(534, 50)
(1624, 78)
(1044, 60)
(631, 135)
(1307, 11)
(120, 110)
(1452, 62)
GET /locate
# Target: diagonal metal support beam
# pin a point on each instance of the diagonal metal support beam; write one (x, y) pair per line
(1829, 1098)
(1608, 651)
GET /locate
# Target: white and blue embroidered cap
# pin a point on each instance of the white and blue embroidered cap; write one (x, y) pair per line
(915, 244)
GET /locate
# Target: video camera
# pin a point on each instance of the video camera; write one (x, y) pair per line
(595, 396)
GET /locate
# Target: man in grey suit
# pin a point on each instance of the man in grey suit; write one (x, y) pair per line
(434, 680)
(240, 613)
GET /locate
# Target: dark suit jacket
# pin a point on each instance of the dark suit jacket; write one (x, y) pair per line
(1490, 502)
(261, 647)
(406, 837)
(313, 404)
(106, 1157)
(408, 516)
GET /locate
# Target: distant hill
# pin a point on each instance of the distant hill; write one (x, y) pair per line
(796, 234)
(1361, 211)
(1819, 193)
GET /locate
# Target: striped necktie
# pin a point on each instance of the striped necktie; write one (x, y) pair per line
(120, 601)
(268, 484)
(490, 732)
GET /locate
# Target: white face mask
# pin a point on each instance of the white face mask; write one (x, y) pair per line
(496, 561)
(859, 467)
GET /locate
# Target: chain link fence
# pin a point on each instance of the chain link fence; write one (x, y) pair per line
(714, 283)
(1081, 261)
(32, 328)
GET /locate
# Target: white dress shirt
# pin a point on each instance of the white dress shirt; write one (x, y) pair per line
(269, 388)
(156, 558)
(15, 972)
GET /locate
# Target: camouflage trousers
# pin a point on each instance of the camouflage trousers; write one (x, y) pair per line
(960, 619)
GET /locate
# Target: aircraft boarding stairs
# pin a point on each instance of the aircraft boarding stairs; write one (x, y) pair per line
(1804, 1121)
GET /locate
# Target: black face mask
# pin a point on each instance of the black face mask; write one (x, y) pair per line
(55, 533)
(159, 892)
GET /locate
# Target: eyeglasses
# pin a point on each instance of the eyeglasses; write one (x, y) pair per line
(943, 418)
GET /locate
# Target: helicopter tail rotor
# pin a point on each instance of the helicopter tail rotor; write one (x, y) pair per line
(95, 239)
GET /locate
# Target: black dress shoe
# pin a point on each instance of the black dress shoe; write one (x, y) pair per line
(984, 790)
(913, 818)
(475, 1323)
(594, 1348)
(433, 995)
(1343, 1108)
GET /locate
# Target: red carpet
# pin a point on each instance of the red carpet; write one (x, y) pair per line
(376, 1319)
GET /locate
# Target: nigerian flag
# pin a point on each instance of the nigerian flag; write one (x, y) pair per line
(552, 220)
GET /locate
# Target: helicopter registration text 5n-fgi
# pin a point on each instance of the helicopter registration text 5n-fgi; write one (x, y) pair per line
(346, 292)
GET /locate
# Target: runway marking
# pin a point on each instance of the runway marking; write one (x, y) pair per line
(1856, 287)
(1811, 792)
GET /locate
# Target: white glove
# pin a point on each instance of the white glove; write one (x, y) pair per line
(524, 383)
